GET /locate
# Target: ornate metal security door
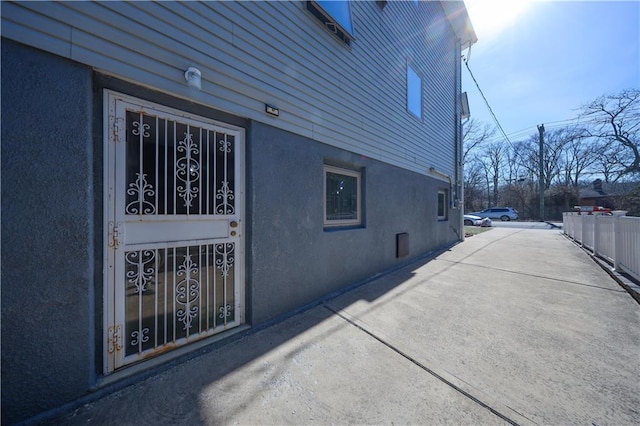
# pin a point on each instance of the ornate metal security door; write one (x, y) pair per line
(174, 219)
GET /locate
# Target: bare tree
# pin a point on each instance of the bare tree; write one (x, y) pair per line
(606, 145)
(493, 166)
(616, 119)
(474, 134)
(473, 178)
(526, 156)
(514, 170)
(555, 143)
(609, 161)
(579, 154)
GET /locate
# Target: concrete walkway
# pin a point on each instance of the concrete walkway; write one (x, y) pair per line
(512, 326)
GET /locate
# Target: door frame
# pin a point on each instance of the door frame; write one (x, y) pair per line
(114, 130)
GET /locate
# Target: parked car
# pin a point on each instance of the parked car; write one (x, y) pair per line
(590, 210)
(471, 220)
(502, 213)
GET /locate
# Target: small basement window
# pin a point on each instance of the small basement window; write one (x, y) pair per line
(342, 197)
(442, 204)
(335, 15)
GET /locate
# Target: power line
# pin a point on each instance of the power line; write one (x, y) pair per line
(532, 131)
(524, 132)
(552, 124)
(488, 106)
(575, 120)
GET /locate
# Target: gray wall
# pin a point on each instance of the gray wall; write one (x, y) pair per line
(48, 296)
(275, 52)
(294, 259)
(52, 224)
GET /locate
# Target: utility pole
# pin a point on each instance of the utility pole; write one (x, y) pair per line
(541, 172)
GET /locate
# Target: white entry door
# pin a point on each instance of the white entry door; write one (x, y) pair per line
(174, 193)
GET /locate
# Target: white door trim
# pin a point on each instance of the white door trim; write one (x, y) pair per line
(167, 233)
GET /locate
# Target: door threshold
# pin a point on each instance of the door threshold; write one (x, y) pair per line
(154, 363)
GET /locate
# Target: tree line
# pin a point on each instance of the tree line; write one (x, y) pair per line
(601, 144)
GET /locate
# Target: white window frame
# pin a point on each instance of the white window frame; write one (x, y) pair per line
(445, 204)
(346, 172)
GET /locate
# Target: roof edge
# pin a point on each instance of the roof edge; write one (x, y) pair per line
(458, 17)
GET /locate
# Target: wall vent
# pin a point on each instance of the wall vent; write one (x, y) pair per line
(402, 245)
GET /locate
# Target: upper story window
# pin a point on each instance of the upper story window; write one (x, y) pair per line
(335, 15)
(414, 92)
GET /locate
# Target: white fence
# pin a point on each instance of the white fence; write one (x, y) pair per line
(613, 238)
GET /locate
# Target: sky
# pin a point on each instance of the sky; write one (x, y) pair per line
(538, 61)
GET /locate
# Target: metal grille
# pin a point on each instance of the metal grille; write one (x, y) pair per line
(175, 168)
(174, 246)
(176, 294)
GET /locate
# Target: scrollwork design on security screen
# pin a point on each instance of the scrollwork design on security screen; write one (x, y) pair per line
(225, 146)
(225, 262)
(225, 192)
(187, 292)
(140, 269)
(138, 336)
(141, 189)
(188, 169)
(140, 128)
(225, 311)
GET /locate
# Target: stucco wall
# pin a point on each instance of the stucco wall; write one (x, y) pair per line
(52, 219)
(294, 259)
(47, 221)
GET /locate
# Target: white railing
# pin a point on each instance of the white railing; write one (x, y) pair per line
(613, 238)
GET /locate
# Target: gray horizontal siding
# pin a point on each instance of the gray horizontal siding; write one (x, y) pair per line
(252, 53)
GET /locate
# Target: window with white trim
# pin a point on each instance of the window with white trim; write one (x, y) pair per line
(443, 196)
(414, 92)
(342, 197)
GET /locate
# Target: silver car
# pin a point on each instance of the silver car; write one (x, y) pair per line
(471, 220)
(502, 213)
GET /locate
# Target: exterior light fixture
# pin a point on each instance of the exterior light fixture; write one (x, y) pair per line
(193, 76)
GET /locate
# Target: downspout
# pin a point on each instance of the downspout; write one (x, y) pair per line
(464, 36)
(458, 203)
